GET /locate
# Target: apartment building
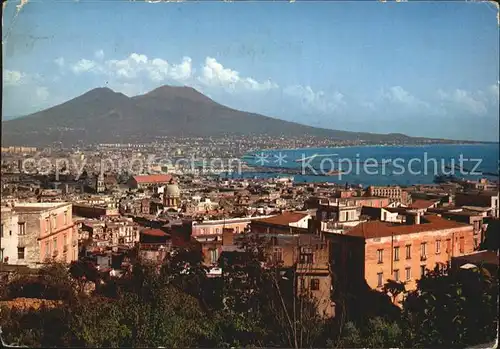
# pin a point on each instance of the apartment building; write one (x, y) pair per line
(294, 244)
(45, 231)
(374, 252)
(395, 193)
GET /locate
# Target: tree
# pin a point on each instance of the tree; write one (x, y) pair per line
(452, 308)
(379, 333)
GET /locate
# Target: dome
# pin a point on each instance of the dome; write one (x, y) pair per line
(173, 191)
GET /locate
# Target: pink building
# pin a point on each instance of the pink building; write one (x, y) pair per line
(46, 232)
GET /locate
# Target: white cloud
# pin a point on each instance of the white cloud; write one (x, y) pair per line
(13, 78)
(475, 103)
(59, 61)
(84, 65)
(215, 74)
(182, 71)
(99, 54)
(318, 100)
(137, 66)
(398, 95)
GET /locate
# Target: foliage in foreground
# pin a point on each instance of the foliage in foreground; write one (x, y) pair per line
(250, 306)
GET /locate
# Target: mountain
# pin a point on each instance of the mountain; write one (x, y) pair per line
(104, 116)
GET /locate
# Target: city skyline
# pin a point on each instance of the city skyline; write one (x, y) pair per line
(421, 69)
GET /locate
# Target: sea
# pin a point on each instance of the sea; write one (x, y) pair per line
(376, 165)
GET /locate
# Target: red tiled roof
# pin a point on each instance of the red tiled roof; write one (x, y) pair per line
(154, 232)
(153, 178)
(377, 229)
(420, 204)
(283, 219)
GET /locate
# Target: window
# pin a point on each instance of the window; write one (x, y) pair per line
(47, 249)
(47, 225)
(438, 246)
(462, 244)
(476, 227)
(22, 228)
(396, 274)
(422, 270)
(213, 256)
(423, 251)
(20, 253)
(315, 284)
(217, 230)
(408, 251)
(302, 283)
(237, 230)
(65, 239)
(65, 217)
(448, 245)
(476, 245)
(396, 253)
(277, 255)
(408, 273)
(380, 256)
(54, 244)
(54, 222)
(380, 279)
(306, 255)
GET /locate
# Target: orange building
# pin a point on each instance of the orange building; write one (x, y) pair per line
(374, 252)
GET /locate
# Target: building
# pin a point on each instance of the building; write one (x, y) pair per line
(45, 232)
(149, 181)
(381, 214)
(204, 228)
(293, 245)
(94, 210)
(485, 199)
(100, 187)
(9, 236)
(485, 259)
(172, 195)
(374, 252)
(393, 192)
(286, 222)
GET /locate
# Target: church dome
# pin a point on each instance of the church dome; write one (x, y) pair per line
(173, 191)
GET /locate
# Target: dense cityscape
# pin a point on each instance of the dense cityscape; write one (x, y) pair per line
(322, 174)
(356, 259)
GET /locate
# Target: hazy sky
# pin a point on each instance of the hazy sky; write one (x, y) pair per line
(428, 69)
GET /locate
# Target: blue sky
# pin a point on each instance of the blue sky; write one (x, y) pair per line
(424, 69)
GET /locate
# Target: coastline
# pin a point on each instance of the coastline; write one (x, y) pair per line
(376, 146)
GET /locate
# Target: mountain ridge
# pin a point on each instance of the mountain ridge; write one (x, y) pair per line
(102, 115)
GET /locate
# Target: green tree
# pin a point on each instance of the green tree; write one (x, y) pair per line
(452, 308)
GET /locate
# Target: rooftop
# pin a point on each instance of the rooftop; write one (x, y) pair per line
(154, 232)
(378, 229)
(38, 206)
(421, 204)
(283, 219)
(153, 178)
